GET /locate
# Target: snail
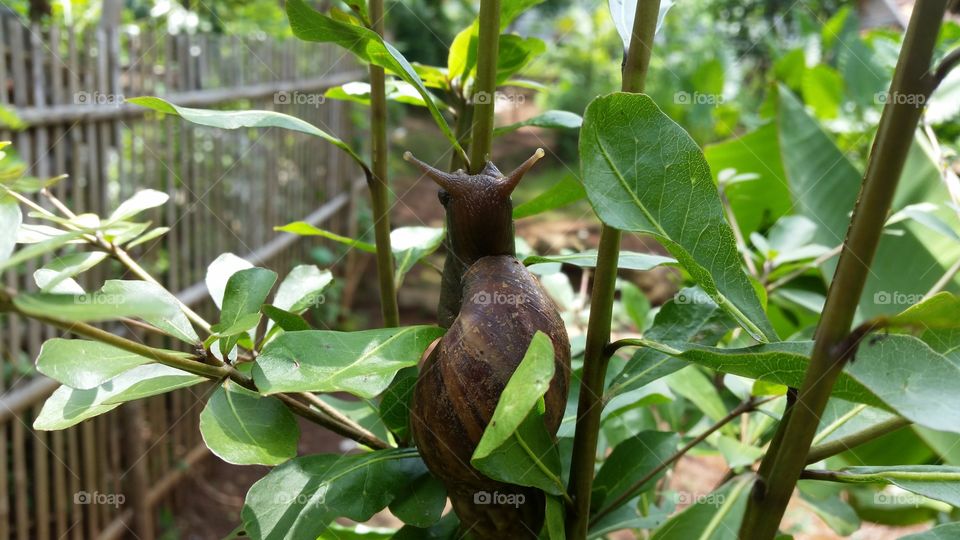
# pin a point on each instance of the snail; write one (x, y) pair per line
(492, 306)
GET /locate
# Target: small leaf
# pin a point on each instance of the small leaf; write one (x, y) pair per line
(635, 183)
(305, 229)
(515, 447)
(83, 364)
(243, 428)
(66, 267)
(567, 191)
(140, 201)
(244, 119)
(219, 272)
(300, 498)
(10, 219)
(549, 119)
(39, 245)
(153, 234)
(362, 363)
(555, 519)
(588, 259)
(68, 407)
(289, 322)
(624, 12)
(245, 292)
(410, 245)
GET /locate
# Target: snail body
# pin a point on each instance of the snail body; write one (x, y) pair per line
(492, 306)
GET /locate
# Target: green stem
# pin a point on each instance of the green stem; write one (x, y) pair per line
(484, 94)
(884, 477)
(898, 123)
(832, 448)
(590, 401)
(379, 181)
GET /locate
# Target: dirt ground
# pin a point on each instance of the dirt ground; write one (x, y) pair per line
(207, 505)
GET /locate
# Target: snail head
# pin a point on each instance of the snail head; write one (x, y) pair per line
(479, 209)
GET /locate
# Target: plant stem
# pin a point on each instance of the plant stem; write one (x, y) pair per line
(745, 407)
(590, 401)
(737, 234)
(832, 448)
(484, 94)
(944, 280)
(379, 181)
(898, 123)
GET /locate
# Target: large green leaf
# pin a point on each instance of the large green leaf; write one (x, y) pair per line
(244, 428)
(923, 391)
(716, 516)
(311, 25)
(116, 299)
(67, 406)
(940, 482)
(420, 503)
(515, 446)
(644, 173)
(245, 119)
(300, 498)
(362, 363)
(630, 461)
(940, 311)
(83, 364)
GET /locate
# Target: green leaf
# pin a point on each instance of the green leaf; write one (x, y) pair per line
(690, 316)
(284, 319)
(823, 91)
(311, 25)
(878, 377)
(631, 461)
(67, 407)
(117, 298)
(65, 267)
(84, 364)
(151, 235)
(716, 516)
(628, 260)
(243, 428)
(549, 119)
(555, 517)
(420, 502)
(699, 390)
(40, 244)
(246, 291)
(245, 119)
(300, 498)
(10, 219)
(144, 199)
(219, 272)
(940, 482)
(410, 245)
(399, 91)
(303, 287)
(939, 311)
(568, 190)
(636, 182)
(305, 229)
(362, 363)
(514, 53)
(396, 402)
(515, 446)
(825, 501)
